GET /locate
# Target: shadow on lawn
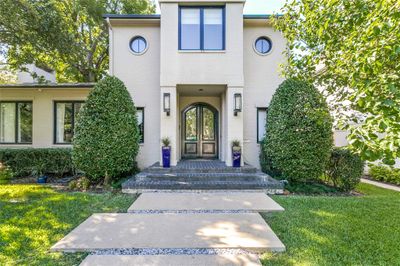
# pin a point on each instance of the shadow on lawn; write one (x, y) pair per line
(337, 230)
(33, 218)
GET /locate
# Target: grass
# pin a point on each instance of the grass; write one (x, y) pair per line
(33, 218)
(317, 230)
(327, 230)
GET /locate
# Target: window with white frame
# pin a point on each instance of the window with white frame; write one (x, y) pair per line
(261, 123)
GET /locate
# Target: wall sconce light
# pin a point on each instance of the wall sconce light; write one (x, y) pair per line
(167, 103)
(237, 103)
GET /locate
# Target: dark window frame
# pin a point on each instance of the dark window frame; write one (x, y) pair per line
(55, 120)
(16, 124)
(141, 129)
(222, 7)
(138, 37)
(258, 125)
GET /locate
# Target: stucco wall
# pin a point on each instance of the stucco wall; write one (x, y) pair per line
(261, 78)
(43, 111)
(141, 75)
(202, 67)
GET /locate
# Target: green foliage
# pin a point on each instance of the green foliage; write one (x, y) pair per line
(385, 174)
(5, 174)
(32, 161)
(33, 218)
(70, 37)
(344, 169)
(7, 76)
(357, 43)
(106, 139)
(298, 133)
(236, 143)
(83, 184)
(166, 141)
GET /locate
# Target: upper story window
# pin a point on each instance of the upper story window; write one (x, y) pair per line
(16, 122)
(263, 45)
(138, 45)
(202, 28)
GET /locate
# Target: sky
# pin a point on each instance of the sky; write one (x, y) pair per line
(258, 6)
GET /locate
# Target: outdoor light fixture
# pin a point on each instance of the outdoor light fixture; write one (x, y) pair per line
(237, 103)
(167, 103)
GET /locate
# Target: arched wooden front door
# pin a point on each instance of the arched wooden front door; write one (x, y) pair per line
(200, 131)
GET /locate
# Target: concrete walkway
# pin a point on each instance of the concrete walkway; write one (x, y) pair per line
(221, 228)
(380, 184)
(165, 260)
(218, 201)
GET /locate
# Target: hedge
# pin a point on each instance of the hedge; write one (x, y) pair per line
(25, 161)
(299, 135)
(344, 169)
(384, 173)
(106, 139)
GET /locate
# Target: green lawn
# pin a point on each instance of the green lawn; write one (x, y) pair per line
(321, 230)
(316, 230)
(33, 218)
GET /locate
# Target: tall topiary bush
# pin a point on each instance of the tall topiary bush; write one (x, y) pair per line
(106, 139)
(299, 134)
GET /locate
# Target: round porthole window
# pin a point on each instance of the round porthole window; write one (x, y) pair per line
(263, 45)
(138, 45)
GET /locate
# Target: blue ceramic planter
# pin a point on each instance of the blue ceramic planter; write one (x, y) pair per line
(166, 156)
(42, 179)
(236, 157)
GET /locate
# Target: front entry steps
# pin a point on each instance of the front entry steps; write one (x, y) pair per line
(198, 234)
(201, 175)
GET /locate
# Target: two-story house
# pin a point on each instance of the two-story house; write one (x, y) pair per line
(202, 73)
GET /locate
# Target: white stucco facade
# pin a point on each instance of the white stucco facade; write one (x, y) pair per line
(202, 85)
(197, 76)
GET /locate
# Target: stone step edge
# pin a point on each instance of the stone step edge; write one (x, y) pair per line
(187, 260)
(210, 211)
(269, 191)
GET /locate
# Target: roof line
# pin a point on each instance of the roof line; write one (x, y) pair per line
(49, 85)
(158, 16)
(132, 16)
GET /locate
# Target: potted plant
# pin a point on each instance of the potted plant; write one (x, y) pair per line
(166, 152)
(38, 171)
(236, 153)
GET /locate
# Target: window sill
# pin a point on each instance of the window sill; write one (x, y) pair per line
(202, 51)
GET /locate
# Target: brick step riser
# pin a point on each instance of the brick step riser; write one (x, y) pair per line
(205, 171)
(202, 178)
(202, 187)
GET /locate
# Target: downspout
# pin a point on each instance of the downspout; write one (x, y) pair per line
(110, 47)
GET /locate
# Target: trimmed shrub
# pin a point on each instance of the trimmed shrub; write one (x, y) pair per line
(299, 134)
(384, 173)
(345, 169)
(106, 139)
(26, 161)
(5, 174)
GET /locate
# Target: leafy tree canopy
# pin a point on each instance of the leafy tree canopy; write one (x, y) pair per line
(68, 36)
(352, 49)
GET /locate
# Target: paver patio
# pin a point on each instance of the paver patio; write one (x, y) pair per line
(257, 202)
(166, 260)
(200, 230)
